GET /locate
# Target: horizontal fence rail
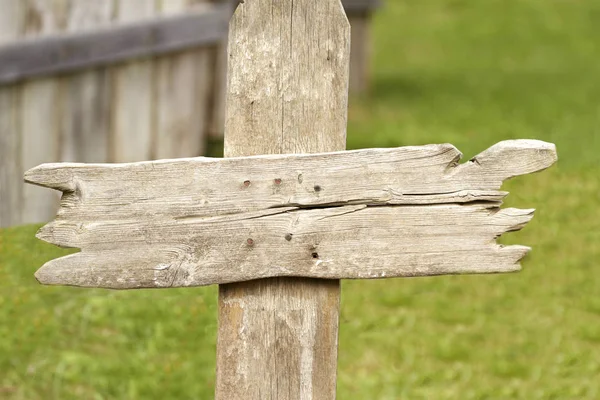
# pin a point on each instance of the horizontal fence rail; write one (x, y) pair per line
(56, 54)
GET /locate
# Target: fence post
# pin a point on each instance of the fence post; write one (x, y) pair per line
(287, 92)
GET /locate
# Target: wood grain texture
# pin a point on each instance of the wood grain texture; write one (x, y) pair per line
(85, 113)
(287, 77)
(133, 93)
(412, 211)
(347, 242)
(208, 187)
(11, 170)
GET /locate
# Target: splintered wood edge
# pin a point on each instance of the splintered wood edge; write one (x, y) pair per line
(517, 157)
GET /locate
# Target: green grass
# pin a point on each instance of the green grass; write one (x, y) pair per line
(467, 72)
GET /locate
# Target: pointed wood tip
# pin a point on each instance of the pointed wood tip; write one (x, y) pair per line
(47, 273)
(69, 270)
(511, 158)
(53, 176)
(59, 233)
(48, 234)
(40, 275)
(517, 254)
(514, 219)
(44, 234)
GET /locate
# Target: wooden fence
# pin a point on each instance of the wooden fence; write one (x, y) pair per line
(104, 81)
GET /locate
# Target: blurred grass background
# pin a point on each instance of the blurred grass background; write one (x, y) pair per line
(462, 71)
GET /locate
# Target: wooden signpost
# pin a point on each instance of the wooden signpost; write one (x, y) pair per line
(278, 230)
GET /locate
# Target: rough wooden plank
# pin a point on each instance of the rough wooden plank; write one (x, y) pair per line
(40, 123)
(348, 242)
(58, 54)
(11, 170)
(183, 93)
(85, 112)
(207, 187)
(287, 92)
(133, 96)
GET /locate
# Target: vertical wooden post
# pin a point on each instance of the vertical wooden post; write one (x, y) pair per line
(287, 92)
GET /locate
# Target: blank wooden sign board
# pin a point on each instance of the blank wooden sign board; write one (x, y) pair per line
(277, 230)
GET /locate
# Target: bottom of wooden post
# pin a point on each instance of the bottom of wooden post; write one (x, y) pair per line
(278, 339)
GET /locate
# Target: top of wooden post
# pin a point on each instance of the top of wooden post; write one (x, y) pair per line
(287, 86)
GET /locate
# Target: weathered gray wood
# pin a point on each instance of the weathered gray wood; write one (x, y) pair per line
(287, 92)
(359, 13)
(348, 242)
(69, 52)
(413, 212)
(207, 187)
(287, 84)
